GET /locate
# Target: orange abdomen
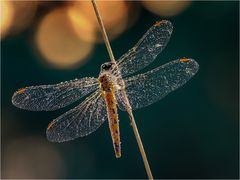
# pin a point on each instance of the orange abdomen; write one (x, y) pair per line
(113, 121)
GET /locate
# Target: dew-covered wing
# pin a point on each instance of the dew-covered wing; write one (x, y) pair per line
(147, 48)
(145, 89)
(52, 97)
(79, 121)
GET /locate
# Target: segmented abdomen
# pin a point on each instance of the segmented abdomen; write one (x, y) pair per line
(113, 121)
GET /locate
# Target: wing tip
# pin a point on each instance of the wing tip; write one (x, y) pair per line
(191, 63)
(50, 125)
(14, 99)
(164, 22)
(18, 96)
(157, 23)
(49, 133)
(184, 60)
(53, 136)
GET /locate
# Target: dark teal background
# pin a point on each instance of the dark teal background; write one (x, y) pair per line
(192, 133)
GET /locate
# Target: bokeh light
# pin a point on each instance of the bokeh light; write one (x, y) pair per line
(24, 13)
(30, 158)
(58, 43)
(6, 17)
(166, 8)
(85, 23)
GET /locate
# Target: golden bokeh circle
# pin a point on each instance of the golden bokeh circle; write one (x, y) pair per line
(166, 8)
(58, 43)
(84, 21)
(6, 18)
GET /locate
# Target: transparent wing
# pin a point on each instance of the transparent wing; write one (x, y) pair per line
(52, 97)
(147, 49)
(145, 89)
(79, 121)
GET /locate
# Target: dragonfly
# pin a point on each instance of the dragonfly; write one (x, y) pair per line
(117, 87)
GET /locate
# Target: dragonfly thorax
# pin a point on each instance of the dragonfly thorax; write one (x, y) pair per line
(106, 82)
(110, 78)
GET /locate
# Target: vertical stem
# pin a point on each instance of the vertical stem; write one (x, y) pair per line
(137, 135)
(129, 109)
(140, 145)
(105, 37)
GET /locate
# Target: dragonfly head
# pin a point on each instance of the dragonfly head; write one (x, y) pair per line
(106, 66)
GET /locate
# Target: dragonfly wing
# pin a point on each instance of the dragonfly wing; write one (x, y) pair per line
(147, 49)
(79, 121)
(145, 89)
(52, 97)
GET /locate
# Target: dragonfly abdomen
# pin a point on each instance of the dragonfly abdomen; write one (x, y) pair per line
(113, 122)
(108, 92)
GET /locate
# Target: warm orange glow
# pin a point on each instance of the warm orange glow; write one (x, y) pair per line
(84, 21)
(6, 17)
(81, 24)
(58, 43)
(32, 158)
(24, 12)
(166, 8)
(184, 60)
(20, 91)
(50, 125)
(158, 23)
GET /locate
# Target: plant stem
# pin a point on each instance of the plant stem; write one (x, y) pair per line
(129, 109)
(105, 37)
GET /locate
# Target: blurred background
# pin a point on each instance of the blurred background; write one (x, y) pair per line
(192, 133)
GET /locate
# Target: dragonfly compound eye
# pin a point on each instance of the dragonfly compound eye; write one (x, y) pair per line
(106, 66)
